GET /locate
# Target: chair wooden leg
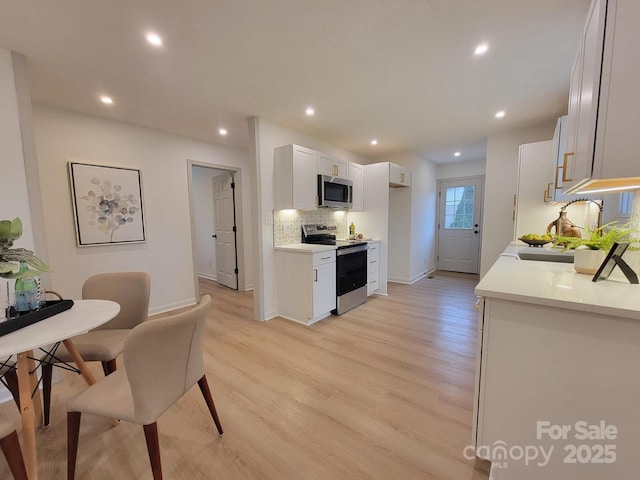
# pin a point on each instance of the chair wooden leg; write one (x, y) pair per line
(153, 447)
(47, 374)
(12, 452)
(206, 393)
(73, 433)
(109, 366)
(11, 377)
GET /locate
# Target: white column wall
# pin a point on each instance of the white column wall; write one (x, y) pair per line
(501, 185)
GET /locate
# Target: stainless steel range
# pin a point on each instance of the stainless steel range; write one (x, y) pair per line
(351, 265)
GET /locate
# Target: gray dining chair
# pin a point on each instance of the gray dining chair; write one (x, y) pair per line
(162, 361)
(129, 289)
(10, 446)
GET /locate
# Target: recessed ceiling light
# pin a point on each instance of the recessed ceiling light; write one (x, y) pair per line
(310, 111)
(481, 49)
(106, 100)
(374, 141)
(222, 131)
(457, 154)
(154, 39)
(500, 114)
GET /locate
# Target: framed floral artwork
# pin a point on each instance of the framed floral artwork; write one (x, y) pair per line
(107, 204)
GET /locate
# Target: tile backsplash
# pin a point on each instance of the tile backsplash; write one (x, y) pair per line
(287, 224)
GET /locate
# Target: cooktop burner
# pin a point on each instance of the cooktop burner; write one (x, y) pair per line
(326, 235)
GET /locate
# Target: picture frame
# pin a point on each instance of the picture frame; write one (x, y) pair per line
(614, 258)
(107, 204)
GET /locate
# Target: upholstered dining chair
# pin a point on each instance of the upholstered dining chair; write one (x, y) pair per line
(136, 393)
(129, 289)
(10, 446)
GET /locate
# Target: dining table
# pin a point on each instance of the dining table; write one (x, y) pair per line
(83, 316)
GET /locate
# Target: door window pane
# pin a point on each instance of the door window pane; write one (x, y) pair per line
(459, 207)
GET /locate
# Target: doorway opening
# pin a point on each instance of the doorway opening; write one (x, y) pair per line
(460, 203)
(216, 219)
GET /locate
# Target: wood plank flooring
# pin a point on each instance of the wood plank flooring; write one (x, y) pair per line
(382, 392)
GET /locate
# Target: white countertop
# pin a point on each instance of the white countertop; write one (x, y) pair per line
(558, 285)
(306, 247)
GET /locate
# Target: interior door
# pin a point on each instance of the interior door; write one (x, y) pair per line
(224, 222)
(460, 202)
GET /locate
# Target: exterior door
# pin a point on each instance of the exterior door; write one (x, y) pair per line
(460, 202)
(224, 221)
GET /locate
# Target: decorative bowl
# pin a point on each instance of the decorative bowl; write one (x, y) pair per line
(535, 243)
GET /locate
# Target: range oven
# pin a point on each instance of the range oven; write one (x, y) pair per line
(351, 265)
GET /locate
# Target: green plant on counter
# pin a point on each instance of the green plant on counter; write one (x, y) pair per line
(10, 258)
(601, 238)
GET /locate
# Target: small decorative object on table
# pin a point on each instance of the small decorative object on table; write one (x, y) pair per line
(535, 240)
(28, 266)
(591, 251)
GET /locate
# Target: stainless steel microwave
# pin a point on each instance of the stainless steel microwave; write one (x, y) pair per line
(334, 192)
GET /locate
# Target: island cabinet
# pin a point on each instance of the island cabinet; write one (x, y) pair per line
(557, 374)
(604, 105)
(373, 265)
(306, 284)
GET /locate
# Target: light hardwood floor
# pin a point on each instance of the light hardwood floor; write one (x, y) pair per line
(382, 392)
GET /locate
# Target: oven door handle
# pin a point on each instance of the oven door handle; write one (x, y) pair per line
(355, 249)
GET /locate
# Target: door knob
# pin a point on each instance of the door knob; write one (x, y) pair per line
(475, 231)
(214, 236)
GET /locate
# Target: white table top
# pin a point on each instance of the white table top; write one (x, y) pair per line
(82, 317)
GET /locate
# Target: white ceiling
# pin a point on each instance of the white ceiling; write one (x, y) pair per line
(401, 71)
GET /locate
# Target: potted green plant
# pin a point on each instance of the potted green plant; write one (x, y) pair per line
(10, 258)
(591, 250)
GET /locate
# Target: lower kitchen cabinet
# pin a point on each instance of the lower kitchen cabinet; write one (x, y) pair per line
(373, 260)
(306, 284)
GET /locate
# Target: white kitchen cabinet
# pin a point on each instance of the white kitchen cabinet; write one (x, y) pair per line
(532, 214)
(356, 175)
(399, 176)
(604, 105)
(559, 147)
(334, 167)
(296, 184)
(373, 263)
(306, 284)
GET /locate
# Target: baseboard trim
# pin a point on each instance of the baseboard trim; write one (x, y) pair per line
(172, 306)
(208, 277)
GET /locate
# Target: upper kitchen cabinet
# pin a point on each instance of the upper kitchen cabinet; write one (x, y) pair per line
(296, 183)
(399, 176)
(558, 149)
(604, 105)
(334, 167)
(356, 175)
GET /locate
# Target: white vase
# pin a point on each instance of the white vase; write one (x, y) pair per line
(588, 261)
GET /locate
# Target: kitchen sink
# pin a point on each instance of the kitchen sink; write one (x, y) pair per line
(546, 255)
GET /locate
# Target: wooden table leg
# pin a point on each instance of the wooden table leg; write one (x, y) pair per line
(28, 417)
(35, 399)
(77, 359)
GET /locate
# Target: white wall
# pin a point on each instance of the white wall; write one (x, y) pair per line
(500, 187)
(63, 136)
(202, 185)
(424, 192)
(265, 137)
(474, 168)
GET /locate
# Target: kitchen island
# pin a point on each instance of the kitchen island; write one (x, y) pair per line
(557, 372)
